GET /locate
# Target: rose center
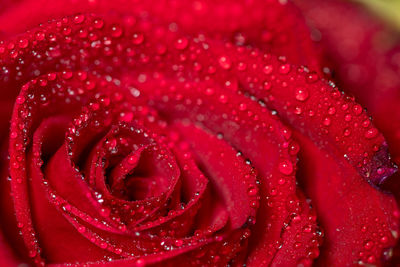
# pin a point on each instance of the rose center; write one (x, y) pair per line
(136, 178)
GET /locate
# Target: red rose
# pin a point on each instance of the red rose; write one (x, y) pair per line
(168, 133)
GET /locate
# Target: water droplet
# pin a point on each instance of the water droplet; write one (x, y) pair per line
(294, 148)
(66, 31)
(298, 110)
(224, 62)
(284, 69)
(32, 253)
(297, 245)
(371, 259)
(267, 86)
(286, 167)
(132, 159)
(312, 77)
(371, 133)
(20, 99)
(39, 36)
(368, 245)
(331, 111)
(137, 38)
(327, 121)
(307, 228)
(241, 66)
(268, 69)
(23, 43)
(181, 43)
(209, 91)
(366, 123)
(98, 23)
(116, 31)
(78, 19)
(252, 191)
(66, 75)
(301, 94)
(346, 132)
(242, 106)
(251, 220)
(357, 109)
(384, 239)
(13, 135)
(178, 242)
(223, 99)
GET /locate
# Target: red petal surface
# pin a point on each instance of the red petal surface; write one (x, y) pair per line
(139, 141)
(360, 223)
(68, 197)
(269, 24)
(363, 51)
(364, 54)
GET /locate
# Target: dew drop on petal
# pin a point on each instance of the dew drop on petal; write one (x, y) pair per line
(327, 121)
(32, 253)
(267, 86)
(284, 69)
(178, 242)
(223, 99)
(312, 77)
(209, 91)
(371, 259)
(371, 133)
(252, 191)
(224, 62)
(116, 31)
(286, 167)
(241, 66)
(331, 111)
(13, 135)
(301, 94)
(294, 148)
(137, 38)
(368, 245)
(39, 36)
(357, 109)
(23, 43)
(78, 19)
(268, 69)
(20, 100)
(181, 43)
(384, 239)
(98, 23)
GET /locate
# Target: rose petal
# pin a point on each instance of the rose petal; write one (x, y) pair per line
(359, 221)
(247, 131)
(270, 25)
(236, 186)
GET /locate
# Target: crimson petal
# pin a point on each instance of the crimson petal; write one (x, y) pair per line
(368, 221)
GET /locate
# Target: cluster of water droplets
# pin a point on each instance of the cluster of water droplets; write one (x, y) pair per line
(136, 81)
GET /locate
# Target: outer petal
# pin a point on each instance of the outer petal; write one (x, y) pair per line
(273, 25)
(359, 221)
